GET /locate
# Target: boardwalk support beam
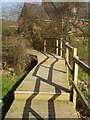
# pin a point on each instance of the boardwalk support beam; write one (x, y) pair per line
(61, 48)
(75, 75)
(57, 47)
(67, 59)
(45, 45)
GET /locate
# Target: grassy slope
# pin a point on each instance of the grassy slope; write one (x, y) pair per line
(8, 82)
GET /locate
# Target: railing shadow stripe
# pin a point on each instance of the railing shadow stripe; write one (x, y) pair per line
(36, 91)
(27, 108)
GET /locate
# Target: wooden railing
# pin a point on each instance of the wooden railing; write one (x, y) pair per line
(73, 70)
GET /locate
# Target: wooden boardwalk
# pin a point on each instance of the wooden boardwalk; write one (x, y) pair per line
(45, 92)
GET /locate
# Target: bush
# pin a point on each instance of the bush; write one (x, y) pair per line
(14, 54)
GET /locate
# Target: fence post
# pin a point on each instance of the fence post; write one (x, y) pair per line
(45, 45)
(61, 48)
(67, 59)
(75, 76)
(57, 47)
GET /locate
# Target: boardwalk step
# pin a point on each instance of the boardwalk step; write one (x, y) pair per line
(23, 95)
(41, 109)
(46, 80)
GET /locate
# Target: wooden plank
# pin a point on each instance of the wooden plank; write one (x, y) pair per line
(69, 66)
(61, 45)
(44, 45)
(85, 67)
(62, 40)
(83, 100)
(73, 92)
(75, 77)
(60, 48)
(67, 59)
(57, 47)
(67, 53)
(69, 47)
(63, 50)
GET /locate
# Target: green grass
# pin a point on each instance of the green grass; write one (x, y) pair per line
(6, 85)
(9, 85)
(82, 75)
(8, 82)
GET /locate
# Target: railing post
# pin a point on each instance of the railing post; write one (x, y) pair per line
(45, 45)
(67, 53)
(67, 59)
(75, 76)
(61, 48)
(57, 47)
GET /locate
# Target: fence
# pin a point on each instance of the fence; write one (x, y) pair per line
(73, 70)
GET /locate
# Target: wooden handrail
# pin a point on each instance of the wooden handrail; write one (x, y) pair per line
(63, 50)
(74, 71)
(62, 40)
(85, 67)
(55, 47)
(77, 62)
(83, 100)
(69, 47)
(69, 66)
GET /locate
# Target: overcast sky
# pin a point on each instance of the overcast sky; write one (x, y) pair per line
(45, 0)
(20, 0)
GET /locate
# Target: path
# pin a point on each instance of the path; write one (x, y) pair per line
(45, 91)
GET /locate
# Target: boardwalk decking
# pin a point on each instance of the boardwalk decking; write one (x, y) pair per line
(45, 92)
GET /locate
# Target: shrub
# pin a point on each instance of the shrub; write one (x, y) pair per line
(14, 54)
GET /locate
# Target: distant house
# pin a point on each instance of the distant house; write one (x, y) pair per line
(48, 16)
(35, 11)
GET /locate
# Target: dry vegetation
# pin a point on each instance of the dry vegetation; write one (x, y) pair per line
(16, 59)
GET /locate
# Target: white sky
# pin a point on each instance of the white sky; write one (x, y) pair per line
(20, 0)
(45, 0)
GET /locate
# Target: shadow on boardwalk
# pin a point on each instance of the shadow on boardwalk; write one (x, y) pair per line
(8, 99)
(58, 88)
